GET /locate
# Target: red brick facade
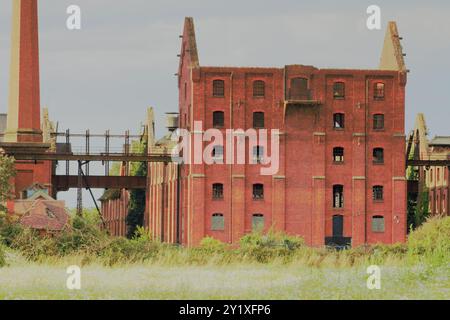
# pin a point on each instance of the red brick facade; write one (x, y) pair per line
(356, 198)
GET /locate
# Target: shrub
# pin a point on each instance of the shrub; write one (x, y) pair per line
(2, 256)
(431, 241)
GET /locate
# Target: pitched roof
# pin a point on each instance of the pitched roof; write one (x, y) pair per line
(392, 57)
(47, 215)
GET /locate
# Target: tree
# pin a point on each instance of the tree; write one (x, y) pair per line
(7, 171)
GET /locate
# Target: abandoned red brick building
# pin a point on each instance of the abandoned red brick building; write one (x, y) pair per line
(341, 178)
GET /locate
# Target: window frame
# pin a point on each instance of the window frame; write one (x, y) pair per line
(217, 195)
(339, 116)
(221, 123)
(218, 90)
(255, 120)
(378, 224)
(259, 89)
(339, 90)
(376, 121)
(379, 94)
(376, 160)
(336, 155)
(255, 191)
(378, 193)
(338, 196)
(214, 223)
(262, 218)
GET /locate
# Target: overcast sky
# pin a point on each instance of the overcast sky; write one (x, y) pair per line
(125, 57)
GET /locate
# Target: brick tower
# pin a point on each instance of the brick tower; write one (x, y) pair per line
(23, 130)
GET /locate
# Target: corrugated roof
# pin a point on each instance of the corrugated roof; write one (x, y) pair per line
(440, 141)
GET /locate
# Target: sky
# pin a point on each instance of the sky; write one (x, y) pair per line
(124, 58)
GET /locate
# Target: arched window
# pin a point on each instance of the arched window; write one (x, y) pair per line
(218, 119)
(259, 89)
(338, 196)
(378, 155)
(339, 90)
(338, 154)
(258, 120)
(217, 191)
(299, 89)
(339, 121)
(258, 222)
(218, 88)
(378, 224)
(378, 121)
(217, 222)
(258, 191)
(378, 193)
(378, 91)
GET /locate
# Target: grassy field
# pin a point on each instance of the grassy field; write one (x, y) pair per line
(47, 280)
(268, 266)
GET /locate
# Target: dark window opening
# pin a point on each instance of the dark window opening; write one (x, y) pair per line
(339, 90)
(217, 153)
(378, 122)
(378, 155)
(218, 119)
(218, 88)
(378, 193)
(218, 222)
(338, 154)
(259, 89)
(379, 91)
(339, 121)
(258, 120)
(338, 196)
(338, 226)
(258, 191)
(217, 191)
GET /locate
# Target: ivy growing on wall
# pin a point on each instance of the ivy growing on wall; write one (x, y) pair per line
(136, 205)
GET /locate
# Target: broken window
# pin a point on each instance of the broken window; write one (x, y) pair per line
(258, 120)
(377, 224)
(258, 191)
(339, 90)
(217, 191)
(218, 119)
(217, 153)
(218, 222)
(378, 155)
(259, 89)
(339, 121)
(378, 193)
(257, 222)
(218, 88)
(378, 122)
(379, 91)
(258, 154)
(338, 196)
(338, 154)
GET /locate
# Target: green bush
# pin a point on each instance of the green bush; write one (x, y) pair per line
(431, 241)
(2, 256)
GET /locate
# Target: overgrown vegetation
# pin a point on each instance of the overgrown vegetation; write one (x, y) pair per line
(428, 245)
(7, 171)
(136, 205)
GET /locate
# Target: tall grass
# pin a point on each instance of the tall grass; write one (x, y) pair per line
(86, 243)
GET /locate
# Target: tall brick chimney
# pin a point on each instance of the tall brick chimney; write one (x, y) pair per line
(23, 124)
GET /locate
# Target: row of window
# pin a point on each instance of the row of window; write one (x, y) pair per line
(378, 155)
(339, 121)
(338, 195)
(378, 90)
(259, 120)
(258, 154)
(258, 191)
(378, 225)
(218, 222)
(219, 120)
(259, 88)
